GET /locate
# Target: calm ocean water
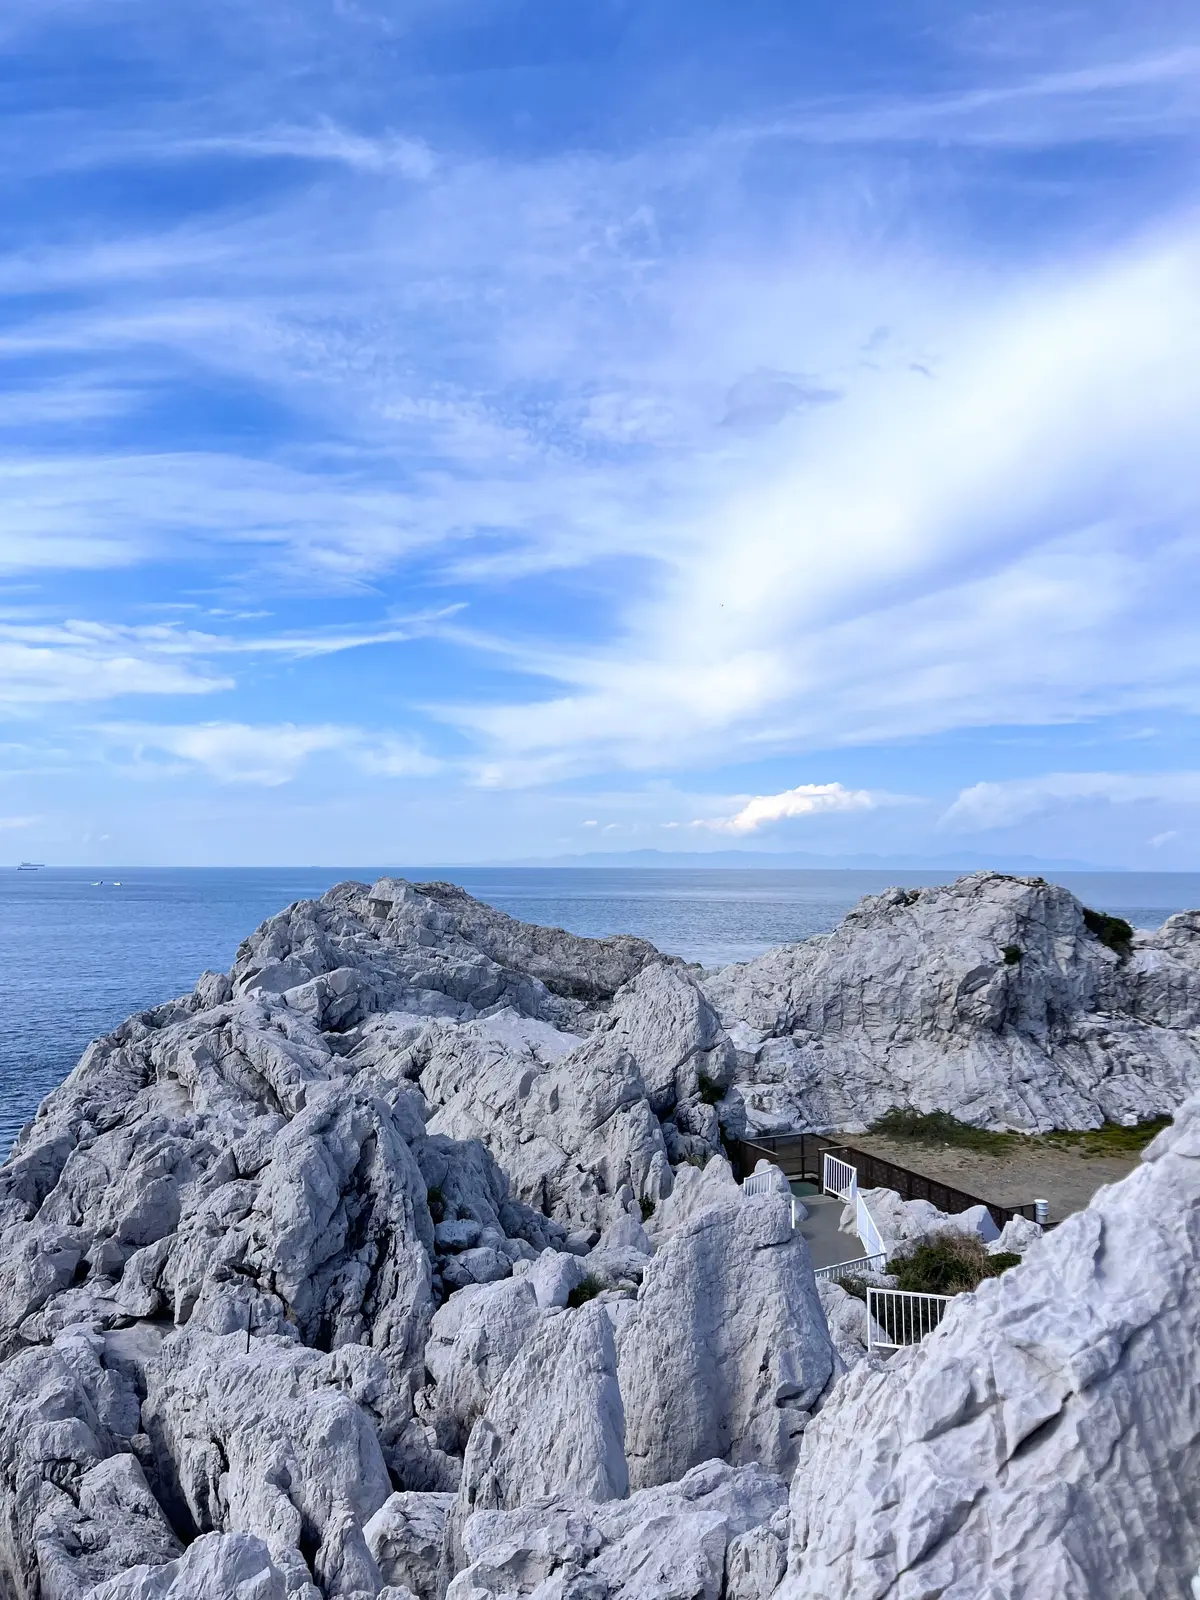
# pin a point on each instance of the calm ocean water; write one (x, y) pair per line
(77, 956)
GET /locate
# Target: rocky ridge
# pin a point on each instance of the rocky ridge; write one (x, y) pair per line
(991, 998)
(404, 1258)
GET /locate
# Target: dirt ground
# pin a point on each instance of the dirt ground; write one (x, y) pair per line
(1066, 1178)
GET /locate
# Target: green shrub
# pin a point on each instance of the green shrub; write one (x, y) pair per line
(436, 1202)
(647, 1208)
(711, 1093)
(585, 1291)
(1110, 1140)
(939, 1127)
(1012, 955)
(1001, 1261)
(1114, 932)
(947, 1263)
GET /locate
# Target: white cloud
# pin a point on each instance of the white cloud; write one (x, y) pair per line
(923, 555)
(269, 755)
(1107, 100)
(18, 822)
(806, 800)
(1003, 805)
(72, 663)
(1003, 489)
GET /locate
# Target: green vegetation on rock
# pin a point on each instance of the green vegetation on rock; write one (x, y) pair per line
(939, 1127)
(947, 1263)
(1114, 932)
(1110, 1140)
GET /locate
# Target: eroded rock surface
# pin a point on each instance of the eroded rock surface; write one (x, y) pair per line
(405, 1256)
(1046, 1439)
(989, 998)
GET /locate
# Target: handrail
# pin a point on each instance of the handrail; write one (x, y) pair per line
(853, 1268)
(902, 1316)
(801, 1155)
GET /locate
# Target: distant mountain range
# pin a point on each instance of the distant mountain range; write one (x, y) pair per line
(959, 861)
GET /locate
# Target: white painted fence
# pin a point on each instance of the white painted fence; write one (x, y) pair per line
(864, 1226)
(767, 1183)
(901, 1317)
(853, 1268)
(839, 1178)
(761, 1182)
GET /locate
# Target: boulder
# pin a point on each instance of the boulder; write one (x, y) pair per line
(659, 1544)
(229, 1566)
(405, 1537)
(907, 1222)
(728, 1351)
(554, 1425)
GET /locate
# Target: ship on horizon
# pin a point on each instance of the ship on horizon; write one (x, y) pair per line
(30, 866)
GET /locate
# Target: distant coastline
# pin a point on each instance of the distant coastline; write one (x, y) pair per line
(796, 860)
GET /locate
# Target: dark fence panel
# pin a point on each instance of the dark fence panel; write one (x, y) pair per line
(800, 1155)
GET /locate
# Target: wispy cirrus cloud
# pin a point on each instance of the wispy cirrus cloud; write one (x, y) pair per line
(266, 755)
(864, 419)
(1006, 804)
(76, 660)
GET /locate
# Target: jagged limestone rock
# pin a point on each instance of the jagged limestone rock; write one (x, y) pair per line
(554, 1424)
(1045, 1440)
(659, 1544)
(229, 1566)
(405, 1536)
(728, 1351)
(914, 1001)
(231, 1246)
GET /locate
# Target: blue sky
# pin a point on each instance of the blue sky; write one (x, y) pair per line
(439, 432)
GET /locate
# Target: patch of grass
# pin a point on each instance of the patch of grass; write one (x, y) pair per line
(585, 1291)
(1110, 1140)
(947, 1263)
(1114, 932)
(939, 1127)
(1002, 1260)
(711, 1093)
(1012, 955)
(647, 1206)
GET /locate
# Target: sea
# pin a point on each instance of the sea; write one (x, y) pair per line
(82, 949)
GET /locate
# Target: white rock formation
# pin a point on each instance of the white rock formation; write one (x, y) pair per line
(1045, 1440)
(393, 1258)
(906, 1222)
(660, 1544)
(554, 1425)
(728, 1351)
(405, 1538)
(989, 998)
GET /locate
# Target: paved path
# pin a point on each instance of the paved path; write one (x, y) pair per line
(825, 1243)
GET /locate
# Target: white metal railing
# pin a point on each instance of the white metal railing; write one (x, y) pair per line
(853, 1268)
(864, 1226)
(839, 1178)
(761, 1182)
(901, 1317)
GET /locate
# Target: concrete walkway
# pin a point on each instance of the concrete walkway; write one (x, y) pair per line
(826, 1244)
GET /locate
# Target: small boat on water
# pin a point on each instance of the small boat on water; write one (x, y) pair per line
(30, 866)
